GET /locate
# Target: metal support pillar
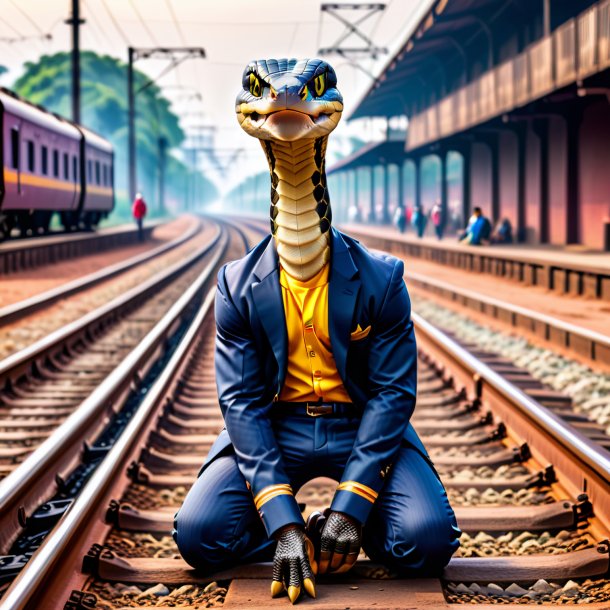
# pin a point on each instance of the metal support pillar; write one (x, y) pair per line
(417, 194)
(541, 129)
(131, 125)
(372, 214)
(385, 216)
(162, 164)
(444, 211)
(520, 131)
(466, 184)
(573, 121)
(176, 55)
(490, 139)
(401, 185)
(75, 21)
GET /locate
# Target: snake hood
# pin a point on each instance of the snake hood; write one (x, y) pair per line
(291, 106)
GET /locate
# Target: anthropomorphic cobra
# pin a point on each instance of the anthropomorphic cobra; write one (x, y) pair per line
(291, 106)
(316, 372)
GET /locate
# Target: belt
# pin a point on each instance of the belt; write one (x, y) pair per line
(316, 409)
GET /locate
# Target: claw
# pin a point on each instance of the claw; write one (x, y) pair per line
(310, 587)
(293, 593)
(277, 588)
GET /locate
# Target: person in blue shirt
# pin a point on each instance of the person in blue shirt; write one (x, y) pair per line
(478, 230)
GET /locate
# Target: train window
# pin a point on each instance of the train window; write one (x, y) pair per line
(89, 171)
(105, 175)
(98, 179)
(66, 167)
(45, 160)
(74, 168)
(56, 163)
(31, 156)
(15, 148)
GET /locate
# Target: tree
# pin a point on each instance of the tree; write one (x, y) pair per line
(104, 109)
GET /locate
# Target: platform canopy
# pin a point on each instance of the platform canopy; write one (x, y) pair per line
(375, 153)
(438, 52)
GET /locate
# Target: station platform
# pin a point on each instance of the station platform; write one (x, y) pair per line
(572, 270)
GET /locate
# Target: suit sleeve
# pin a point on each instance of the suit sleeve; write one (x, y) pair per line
(393, 382)
(245, 400)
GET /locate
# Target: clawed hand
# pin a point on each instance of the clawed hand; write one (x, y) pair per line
(294, 565)
(336, 539)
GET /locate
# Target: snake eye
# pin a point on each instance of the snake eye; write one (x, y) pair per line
(256, 86)
(320, 84)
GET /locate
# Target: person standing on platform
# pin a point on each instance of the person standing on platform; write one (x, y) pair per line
(478, 229)
(436, 216)
(138, 209)
(400, 219)
(419, 220)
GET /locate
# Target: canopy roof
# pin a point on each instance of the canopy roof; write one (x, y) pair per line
(434, 53)
(375, 153)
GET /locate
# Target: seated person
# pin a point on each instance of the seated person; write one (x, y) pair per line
(478, 230)
(503, 233)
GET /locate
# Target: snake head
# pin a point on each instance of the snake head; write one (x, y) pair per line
(288, 99)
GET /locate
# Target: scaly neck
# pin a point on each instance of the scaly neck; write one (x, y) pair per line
(300, 206)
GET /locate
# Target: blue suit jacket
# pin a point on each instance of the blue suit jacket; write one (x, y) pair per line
(379, 371)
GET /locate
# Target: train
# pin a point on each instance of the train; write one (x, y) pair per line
(50, 166)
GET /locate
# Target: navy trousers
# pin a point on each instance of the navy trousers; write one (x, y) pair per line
(411, 529)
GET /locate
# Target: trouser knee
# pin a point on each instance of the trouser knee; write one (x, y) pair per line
(413, 551)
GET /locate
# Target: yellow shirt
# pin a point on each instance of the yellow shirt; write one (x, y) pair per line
(311, 373)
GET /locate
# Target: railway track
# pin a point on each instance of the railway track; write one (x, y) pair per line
(62, 391)
(17, 311)
(26, 253)
(571, 339)
(516, 474)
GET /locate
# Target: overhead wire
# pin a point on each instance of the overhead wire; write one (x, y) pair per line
(172, 13)
(143, 22)
(27, 16)
(115, 23)
(95, 23)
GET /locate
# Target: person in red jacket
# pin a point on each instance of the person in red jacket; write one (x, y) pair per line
(138, 209)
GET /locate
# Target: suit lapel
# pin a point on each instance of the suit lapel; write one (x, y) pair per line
(267, 297)
(343, 288)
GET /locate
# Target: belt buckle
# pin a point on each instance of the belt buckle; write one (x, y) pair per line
(314, 410)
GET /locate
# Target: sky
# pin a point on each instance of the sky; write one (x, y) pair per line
(232, 33)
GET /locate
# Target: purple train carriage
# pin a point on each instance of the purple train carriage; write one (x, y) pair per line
(50, 165)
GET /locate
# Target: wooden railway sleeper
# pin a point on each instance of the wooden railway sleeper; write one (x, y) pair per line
(586, 563)
(454, 426)
(594, 562)
(506, 455)
(556, 516)
(540, 479)
(482, 438)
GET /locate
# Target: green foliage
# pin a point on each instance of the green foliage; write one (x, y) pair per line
(104, 109)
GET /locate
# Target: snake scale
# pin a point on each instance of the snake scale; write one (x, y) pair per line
(291, 106)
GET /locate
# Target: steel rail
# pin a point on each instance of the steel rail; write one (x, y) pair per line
(35, 575)
(12, 312)
(20, 362)
(28, 484)
(565, 443)
(89, 506)
(593, 339)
